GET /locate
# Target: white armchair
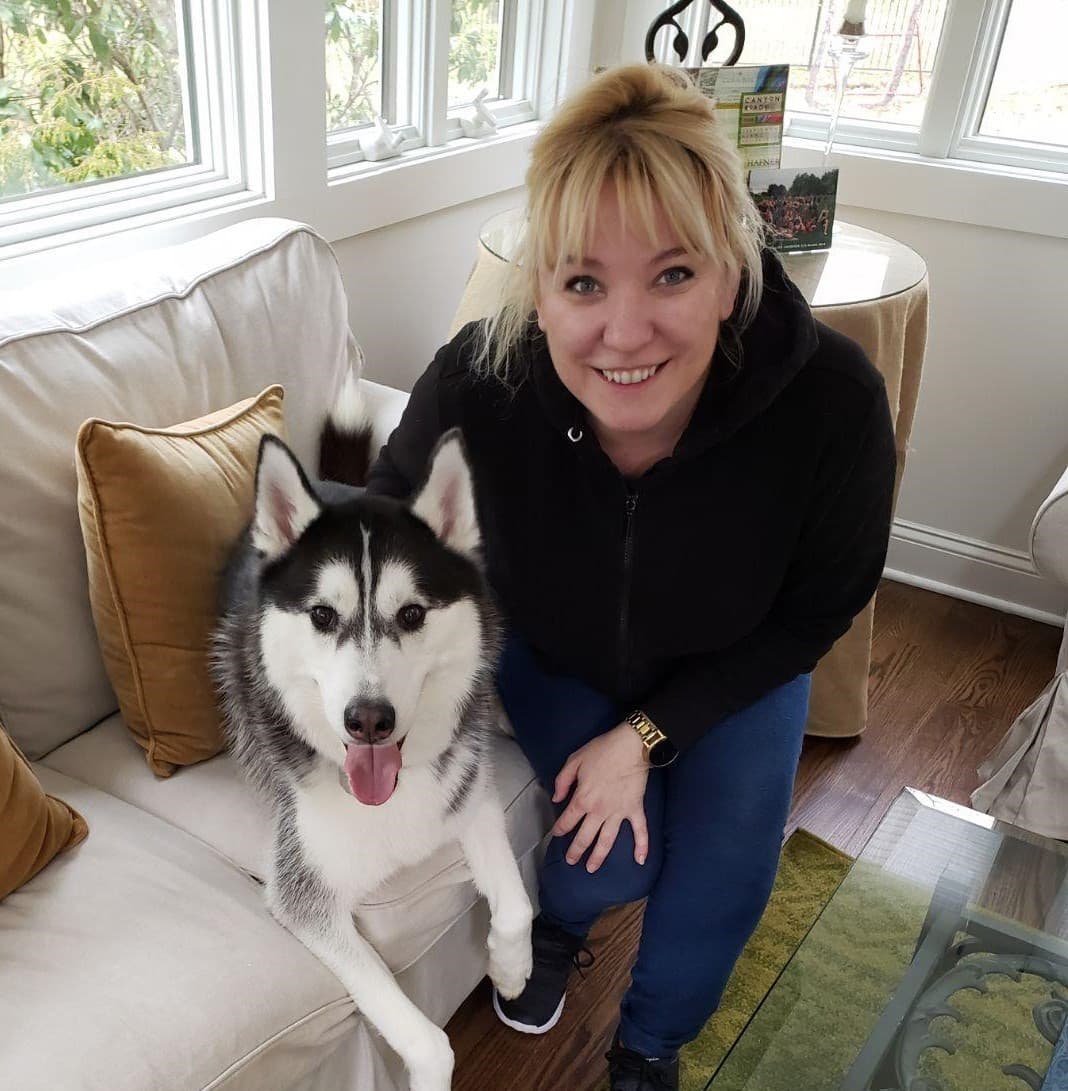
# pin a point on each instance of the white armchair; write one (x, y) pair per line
(1049, 545)
(1025, 780)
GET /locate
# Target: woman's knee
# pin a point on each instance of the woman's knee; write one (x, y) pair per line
(620, 878)
(741, 773)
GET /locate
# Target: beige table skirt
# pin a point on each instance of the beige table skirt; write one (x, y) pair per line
(893, 332)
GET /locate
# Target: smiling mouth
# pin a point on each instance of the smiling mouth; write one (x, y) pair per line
(629, 377)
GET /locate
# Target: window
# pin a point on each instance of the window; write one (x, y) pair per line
(113, 102)
(985, 80)
(1017, 109)
(422, 65)
(118, 114)
(1028, 97)
(354, 70)
(889, 87)
(476, 38)
(90, 94)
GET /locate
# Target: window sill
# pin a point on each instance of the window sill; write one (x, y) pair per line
(957, 190)
(423, 181)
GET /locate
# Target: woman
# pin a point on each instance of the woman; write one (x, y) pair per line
(685, 487)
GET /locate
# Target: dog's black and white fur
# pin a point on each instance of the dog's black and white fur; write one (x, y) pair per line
(354, 659)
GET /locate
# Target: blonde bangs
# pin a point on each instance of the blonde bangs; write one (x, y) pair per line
(654, 137)
(564, 222)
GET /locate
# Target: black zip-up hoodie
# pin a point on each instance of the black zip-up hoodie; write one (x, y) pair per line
(721, 573)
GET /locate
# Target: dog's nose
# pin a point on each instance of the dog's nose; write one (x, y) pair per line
(369, 721)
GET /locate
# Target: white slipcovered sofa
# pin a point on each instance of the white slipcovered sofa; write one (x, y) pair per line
(144, 959)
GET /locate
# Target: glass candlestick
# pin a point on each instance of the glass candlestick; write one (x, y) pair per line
(846, 49)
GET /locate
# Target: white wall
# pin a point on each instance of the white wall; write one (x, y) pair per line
(404, 283)
(991, 431)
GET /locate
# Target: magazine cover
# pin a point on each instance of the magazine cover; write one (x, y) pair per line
(750, 101)
(798, 205)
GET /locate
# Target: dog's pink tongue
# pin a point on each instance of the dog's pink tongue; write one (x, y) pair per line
(372, 771)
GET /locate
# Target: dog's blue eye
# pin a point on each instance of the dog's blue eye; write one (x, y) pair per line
(324, 618)
(411, 617)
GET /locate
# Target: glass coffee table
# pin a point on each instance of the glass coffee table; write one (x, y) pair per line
(939, 964)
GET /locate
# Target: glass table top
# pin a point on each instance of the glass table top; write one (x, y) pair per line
(860, 266)
(940, 964)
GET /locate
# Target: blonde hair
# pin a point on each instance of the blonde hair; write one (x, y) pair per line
(646, 129)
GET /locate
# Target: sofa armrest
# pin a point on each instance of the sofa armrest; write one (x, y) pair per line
(385, 406)
(1049, 533)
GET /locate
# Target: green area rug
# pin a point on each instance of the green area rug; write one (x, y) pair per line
(809, 873)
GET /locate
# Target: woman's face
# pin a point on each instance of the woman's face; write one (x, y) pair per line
(631, 326)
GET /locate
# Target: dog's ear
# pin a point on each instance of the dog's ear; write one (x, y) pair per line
(446, 502)
(285, 502)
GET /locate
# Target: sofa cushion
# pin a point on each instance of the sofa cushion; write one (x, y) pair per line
(212, 803)
(144, 960)
(209, 801)
(160, 510)
(165, 337)
(36, 827)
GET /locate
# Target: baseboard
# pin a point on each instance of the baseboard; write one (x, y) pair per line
(965, 568)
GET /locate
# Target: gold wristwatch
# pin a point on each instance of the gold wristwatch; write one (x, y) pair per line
(659, 749)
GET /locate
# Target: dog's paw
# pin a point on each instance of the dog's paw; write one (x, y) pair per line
(430, 1065)
(510, 962)
(424, 1082)
(431, 1083)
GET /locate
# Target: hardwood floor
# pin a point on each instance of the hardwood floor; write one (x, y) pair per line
(947, 679)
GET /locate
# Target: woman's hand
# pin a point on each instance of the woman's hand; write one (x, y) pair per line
(609, 775)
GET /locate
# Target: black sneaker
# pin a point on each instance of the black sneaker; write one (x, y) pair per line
(630, 1071)
(539, 1006)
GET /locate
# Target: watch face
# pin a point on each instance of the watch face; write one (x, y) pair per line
(663, 753)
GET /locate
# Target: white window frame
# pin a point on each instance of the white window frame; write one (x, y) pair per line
(419, 30)
(966, 141)
(218, 115)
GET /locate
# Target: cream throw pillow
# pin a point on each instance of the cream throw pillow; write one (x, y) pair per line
(160, 509)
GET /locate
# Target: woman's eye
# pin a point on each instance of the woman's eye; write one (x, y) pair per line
(678, 274)
(411, 617)
(582, 285)
(324, 618)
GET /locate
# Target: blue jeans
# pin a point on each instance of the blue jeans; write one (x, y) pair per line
(715, 817)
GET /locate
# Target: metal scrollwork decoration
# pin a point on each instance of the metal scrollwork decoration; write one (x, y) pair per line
(681, 42)
(917, 1036)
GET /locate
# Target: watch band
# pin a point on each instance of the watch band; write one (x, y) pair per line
(653, 739)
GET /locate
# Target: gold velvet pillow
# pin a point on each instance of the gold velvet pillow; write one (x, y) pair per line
(36, 827)
(160, 509)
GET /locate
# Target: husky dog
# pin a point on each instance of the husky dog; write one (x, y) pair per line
(354, 659)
